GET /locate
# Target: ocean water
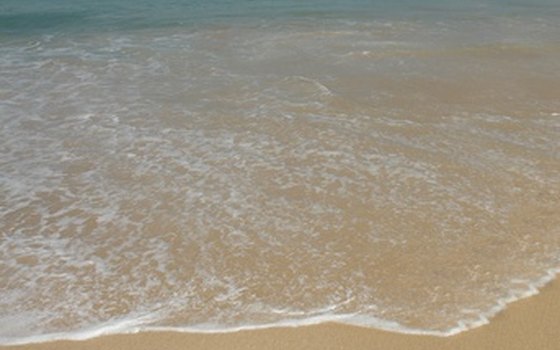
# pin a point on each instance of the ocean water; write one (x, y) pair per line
(218, 165)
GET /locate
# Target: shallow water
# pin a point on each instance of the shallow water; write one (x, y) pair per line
(211, 166)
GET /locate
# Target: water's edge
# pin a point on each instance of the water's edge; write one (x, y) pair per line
(133, 326)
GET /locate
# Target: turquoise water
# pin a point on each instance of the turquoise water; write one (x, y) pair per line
(67, 17)
(210, 166)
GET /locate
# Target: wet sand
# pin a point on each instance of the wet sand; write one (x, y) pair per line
(531, 323)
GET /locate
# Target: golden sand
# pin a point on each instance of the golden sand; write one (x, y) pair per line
(528, 324)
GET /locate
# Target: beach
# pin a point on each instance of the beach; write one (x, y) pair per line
(279, 174)
(531, 323)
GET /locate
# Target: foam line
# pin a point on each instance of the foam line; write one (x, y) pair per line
(131, 326)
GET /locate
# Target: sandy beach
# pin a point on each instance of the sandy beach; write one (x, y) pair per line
(531, 323)
(174, 171)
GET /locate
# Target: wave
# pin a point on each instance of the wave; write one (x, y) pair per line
(137, 325)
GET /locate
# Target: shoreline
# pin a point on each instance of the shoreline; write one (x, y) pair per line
(527, 323)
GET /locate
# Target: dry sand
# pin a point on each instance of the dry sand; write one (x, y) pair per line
(532, 323)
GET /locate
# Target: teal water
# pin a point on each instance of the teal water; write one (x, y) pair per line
(66, 16)
(210, 166)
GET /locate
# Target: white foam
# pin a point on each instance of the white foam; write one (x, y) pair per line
(122, 326)
(138, 324)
